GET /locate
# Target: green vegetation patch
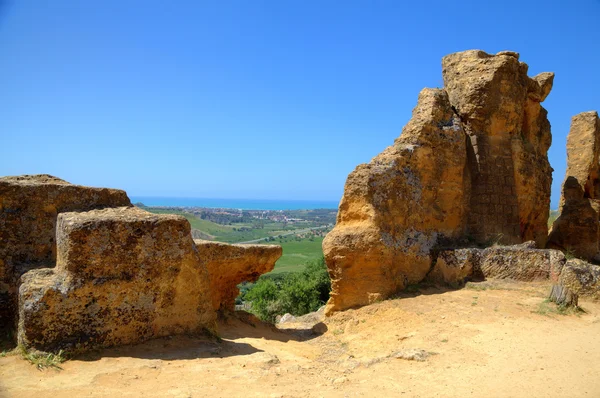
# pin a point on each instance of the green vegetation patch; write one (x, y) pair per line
(42, 360)
(297, 253)
(296, 293)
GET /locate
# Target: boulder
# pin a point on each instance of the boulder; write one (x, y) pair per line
(123, 276)
(582, 278)
(29, 206)
(577, 230)
(471, 164)
(229, 265)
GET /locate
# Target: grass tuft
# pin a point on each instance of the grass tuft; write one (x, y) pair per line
(547, 308)
(42, 360)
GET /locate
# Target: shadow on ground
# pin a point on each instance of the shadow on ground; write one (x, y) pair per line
(232, 328)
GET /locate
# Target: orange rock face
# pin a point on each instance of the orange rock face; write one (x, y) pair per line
(471, 164)
(123, 275)
(577, 228)
(395, 208)
(508, 139)
(229, 265)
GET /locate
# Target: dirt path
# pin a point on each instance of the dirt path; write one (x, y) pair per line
(498, 342)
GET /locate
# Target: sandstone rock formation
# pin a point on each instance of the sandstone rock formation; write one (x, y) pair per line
(395, 208)
(577, 228)
(122, 276)
(471, 164)
(89, 270)
(518, 262)
(29, 206)
(508, 139)
(229, 265)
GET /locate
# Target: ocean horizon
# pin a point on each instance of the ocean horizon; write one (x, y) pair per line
(242, 204)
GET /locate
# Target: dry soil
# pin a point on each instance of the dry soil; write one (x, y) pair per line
(493, 339)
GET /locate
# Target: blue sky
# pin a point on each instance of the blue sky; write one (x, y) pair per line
(256, 99)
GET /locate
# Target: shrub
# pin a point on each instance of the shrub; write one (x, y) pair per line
(294, 293)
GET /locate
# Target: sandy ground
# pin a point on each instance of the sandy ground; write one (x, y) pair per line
(497, 342)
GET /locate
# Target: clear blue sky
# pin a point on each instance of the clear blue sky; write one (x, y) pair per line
(256, 99)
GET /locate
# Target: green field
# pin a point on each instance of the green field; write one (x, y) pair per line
(297, 251)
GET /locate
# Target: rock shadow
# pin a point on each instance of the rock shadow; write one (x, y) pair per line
(174, 348)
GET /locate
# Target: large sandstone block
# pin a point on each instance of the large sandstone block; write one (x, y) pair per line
(29, 206)
(517, 262)
(229, 265)
(522, 263)
(395, 208)
(577, 228)
(471, 164)
(508, 140)
(122, 276)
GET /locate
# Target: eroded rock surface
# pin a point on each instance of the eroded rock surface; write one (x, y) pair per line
(508, 139)
(122, 276)
(522, 262)
(577, 229)
(395, 208)
(470, 164)
(29, 206)
(229, 265)
(582, 278)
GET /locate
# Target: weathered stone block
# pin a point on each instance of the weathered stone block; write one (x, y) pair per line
(518, 262)
(123, 275)
(396, 207)
(582, 278)
(29, 206)
(229, 265)
(521, 262)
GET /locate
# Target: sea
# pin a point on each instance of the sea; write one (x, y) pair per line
(242, 204)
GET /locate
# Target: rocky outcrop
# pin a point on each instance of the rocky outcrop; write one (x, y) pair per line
(582, 278)
(508, 139)
(122, 276)
(229, 265)
(471, 164)
(29, 206)
(518, 262)
(395, 208)
(577, 230)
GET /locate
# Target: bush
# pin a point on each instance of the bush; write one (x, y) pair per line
(294, 293)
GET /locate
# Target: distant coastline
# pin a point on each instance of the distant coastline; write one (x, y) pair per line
(243, 204)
